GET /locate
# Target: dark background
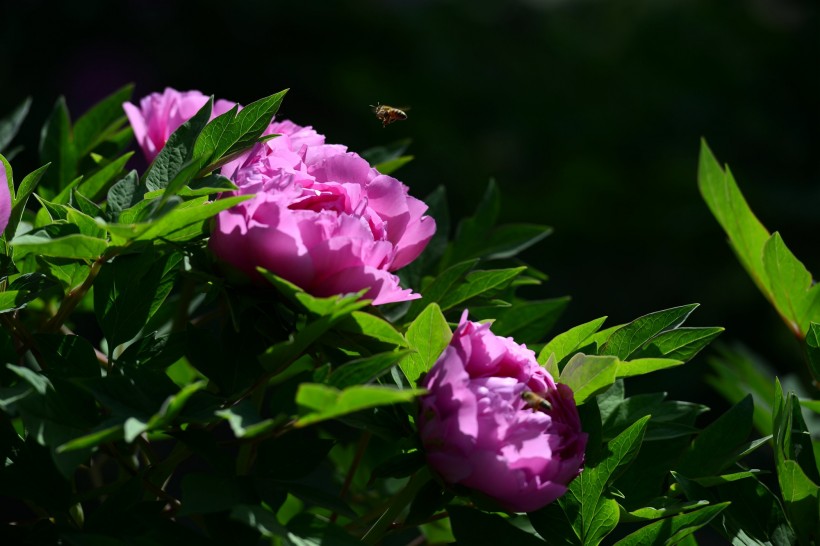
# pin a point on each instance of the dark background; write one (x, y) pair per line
(587, 113)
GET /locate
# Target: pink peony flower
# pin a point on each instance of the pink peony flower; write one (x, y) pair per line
(5, 200)
(322, 218)
(479, 431)
(159, 115)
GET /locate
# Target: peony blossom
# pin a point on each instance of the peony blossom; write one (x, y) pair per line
(160, 114)
(5, 200)
(496, 422)
(322, 218)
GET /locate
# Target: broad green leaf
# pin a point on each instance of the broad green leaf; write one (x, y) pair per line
(661, 508)
(813, 349)
(566, 343)
(509, 240)
(186, 214)
(24, 289)
(258, 518)
(10, 124)
(790, 285)
(95, 185)
(102, 120)
(719, 444)
(24, 191)
(178, 150)
(389, 152)
(679, 344)
(754, 517)
(239, 132)
(597, 514)
(552, 524)
(589, 375)
(92, 439)
(125, 193)
(478, 283)
(57, 148)
(59, 241)
(209, 185)
(625, 341)
(278, 357)
(324, 402)
(308, 529)
(641, 366)
(439, 287)
(747, 236)
(474, 232)
(391, 166)
(712, 481)
(672, 530)
(129, 290)
(245, 421)
(800, 496)
(372, 326)
(364, 370)
(428, 336)
(529, 321)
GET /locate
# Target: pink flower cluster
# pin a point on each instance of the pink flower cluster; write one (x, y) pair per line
(496, 422)
(322, 217)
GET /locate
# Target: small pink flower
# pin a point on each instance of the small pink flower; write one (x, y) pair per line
(159, 115)
(5, 200)
(478, 431)
(322, 218)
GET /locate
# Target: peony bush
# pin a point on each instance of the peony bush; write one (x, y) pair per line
(262, 338)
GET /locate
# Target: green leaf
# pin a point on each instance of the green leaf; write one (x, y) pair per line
(566, 343)
(439, 288)
(813, 350)
(552, 524)
(754, 517)
(371, 326)
(364, 370)
(57, 148)
(171, 226)
(801, 497)
(589, 375)
(529, 321)
(471, 526)
(391, 166)
(642, 366)
(747, 236)
(258, 518)
(679, 344)
(792, 290)
(229, 134)
(10, 124)
(478, 283)
(720, 444)
(324, 402)
(474, 232)
(245, 420)
(428, 336)
(597, 514)
(126, 193)
(95, 185)
(59, 241)
(129, 290)
(672, 530)
(101, 121)
(207, 493)
(625, 341)
(27, 187)
(510, 240)
(178, 150)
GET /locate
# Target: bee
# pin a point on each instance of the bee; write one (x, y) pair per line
(389, 114)
(535, 402)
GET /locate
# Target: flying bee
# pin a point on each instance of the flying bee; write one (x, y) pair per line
(535, 402)
(389, 114)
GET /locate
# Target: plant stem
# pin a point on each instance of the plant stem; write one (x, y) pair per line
(74, 296)
(354, 466)
(376, 532)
